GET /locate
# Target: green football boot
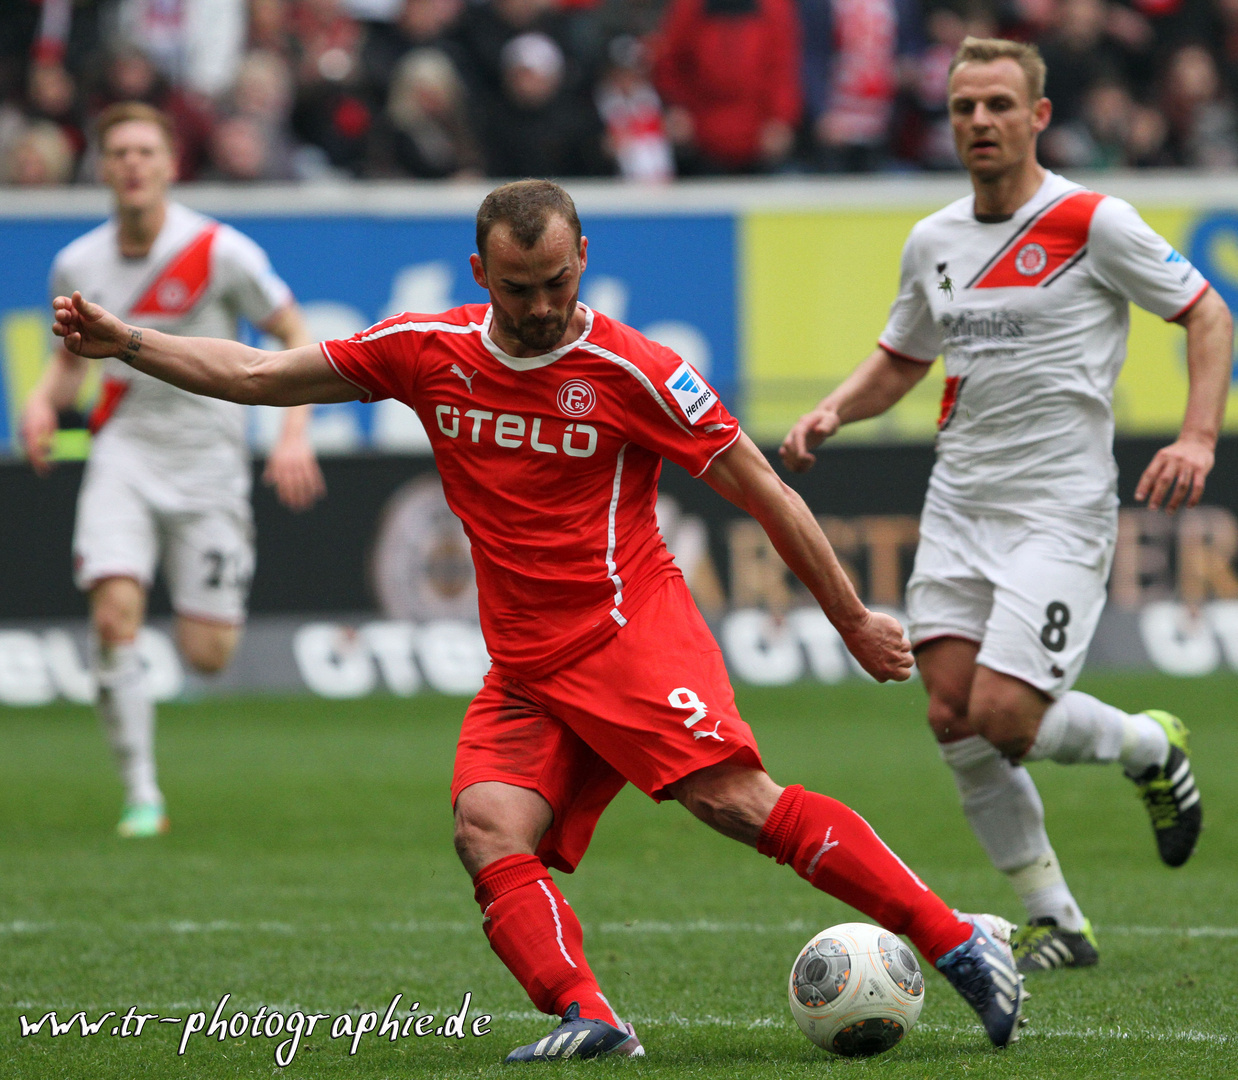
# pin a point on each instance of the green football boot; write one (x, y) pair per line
(1170, 795)
(1042, 945)
(141, 820)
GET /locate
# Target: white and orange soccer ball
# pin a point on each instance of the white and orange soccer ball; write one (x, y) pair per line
(856, 989)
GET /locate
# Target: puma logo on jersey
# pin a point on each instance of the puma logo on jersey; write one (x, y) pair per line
(456, 369)
(709, 734)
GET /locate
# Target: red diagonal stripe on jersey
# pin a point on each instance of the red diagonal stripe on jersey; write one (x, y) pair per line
(109, 397)
(1051, 242)
(949, 399)
(182, 281)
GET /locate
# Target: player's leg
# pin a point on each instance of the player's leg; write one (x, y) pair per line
(1000, 800)
(826, 843)
(117, 609)
(1048, 599)
(207, 644)
(949, 603)
(209, 563)
(527, 792)
(835, 850)
(114, 550)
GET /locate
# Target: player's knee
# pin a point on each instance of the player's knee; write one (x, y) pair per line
(947, 716)
(207, 647)
(494, 820)
(479, 842)
(734, 800)
(1005, 723)
(115, 623)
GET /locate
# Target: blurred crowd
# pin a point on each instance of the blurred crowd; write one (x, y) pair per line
(278, 90)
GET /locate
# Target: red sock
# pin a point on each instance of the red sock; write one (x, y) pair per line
(537, 935)
(831, 846)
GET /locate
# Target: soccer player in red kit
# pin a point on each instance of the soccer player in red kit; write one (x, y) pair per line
(549, 423)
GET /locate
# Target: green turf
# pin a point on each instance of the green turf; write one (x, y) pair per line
(310, 867)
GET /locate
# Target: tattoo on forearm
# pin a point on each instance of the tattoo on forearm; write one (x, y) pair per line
(131, 350)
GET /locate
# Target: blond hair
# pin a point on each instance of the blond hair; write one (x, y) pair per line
(975, 50)
(125, 111)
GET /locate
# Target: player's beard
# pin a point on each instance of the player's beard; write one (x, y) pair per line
(544, 334)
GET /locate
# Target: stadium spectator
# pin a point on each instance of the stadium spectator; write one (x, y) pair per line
(331, 110)
(270, 26)
(262, 95)
(1227, 43)
(41, 155)
(488, 27)
(1203, 127)
(240, 152)
(729, 72)
(632, 112)
(424, 131)
(51, 94)
(419, 24)
(857, 56)
(539, 127)
(1080, 52)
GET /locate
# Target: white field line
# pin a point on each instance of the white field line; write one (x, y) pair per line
(638, 927)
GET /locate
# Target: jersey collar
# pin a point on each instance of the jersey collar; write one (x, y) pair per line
(532, 363)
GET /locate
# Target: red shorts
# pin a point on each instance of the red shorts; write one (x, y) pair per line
(651, 705)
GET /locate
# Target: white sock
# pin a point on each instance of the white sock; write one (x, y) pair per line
(1045, 894)
(1004, 810)
(128, 718)
(1078, 728)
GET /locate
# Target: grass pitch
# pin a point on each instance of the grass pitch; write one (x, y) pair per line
(310, 869)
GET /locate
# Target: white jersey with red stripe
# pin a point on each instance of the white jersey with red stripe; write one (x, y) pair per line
(197, 280)
(1031, 316)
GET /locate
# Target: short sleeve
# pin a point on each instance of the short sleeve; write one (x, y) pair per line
(911, 331)
(1139, 264)
(250, 282)
(675, 412)
(379, 361)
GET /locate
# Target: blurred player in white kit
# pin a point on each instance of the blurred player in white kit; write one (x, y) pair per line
(1024, 288)
(168, 477)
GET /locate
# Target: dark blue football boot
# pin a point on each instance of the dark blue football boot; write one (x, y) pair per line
(983, 970)
(580, 1038)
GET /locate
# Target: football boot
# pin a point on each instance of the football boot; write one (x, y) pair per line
(140, 820)
(983, 970)
(580, 1038)
(1170, 795)
(1042, 945)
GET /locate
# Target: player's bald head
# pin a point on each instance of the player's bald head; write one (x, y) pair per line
(526, 207)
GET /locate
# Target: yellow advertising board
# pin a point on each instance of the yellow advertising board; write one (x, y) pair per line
(818, 286)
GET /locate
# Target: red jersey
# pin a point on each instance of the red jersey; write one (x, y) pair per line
(551, 462)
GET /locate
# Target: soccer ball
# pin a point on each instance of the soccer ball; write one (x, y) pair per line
(856, 989)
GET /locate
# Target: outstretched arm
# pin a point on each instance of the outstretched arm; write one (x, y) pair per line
(210, 366)
(880, 380)
(1178, 471)
(292, 467)
(742, 475)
